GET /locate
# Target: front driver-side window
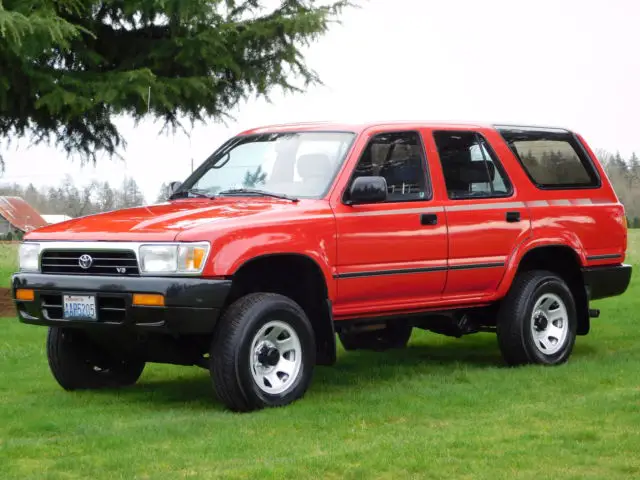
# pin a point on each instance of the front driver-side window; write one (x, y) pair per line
(399, 158)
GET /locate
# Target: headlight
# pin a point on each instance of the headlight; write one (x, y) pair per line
(29, 256)
(173, 259)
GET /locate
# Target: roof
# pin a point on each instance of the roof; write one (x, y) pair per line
(360, 127)
(20, 214)
(55, 218)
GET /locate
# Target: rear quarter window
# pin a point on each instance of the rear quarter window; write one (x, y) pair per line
(552, 159)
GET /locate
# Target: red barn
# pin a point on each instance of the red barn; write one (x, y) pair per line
(17, 216)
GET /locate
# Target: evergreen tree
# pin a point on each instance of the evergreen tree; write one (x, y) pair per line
(76, 201)
(68, 67)
(618, 163)
(633, 169)
(32, 197)
(130, 194)
(164, 193)
(254, 179)
(106, 198)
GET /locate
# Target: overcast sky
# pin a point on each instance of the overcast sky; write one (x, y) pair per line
(571, 63)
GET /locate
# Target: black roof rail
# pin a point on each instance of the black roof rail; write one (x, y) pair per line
(535, 128)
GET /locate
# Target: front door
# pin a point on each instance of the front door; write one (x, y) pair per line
(485, 218)
(391, 256)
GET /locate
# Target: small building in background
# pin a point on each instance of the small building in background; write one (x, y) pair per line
(54, 218)
(17, 217)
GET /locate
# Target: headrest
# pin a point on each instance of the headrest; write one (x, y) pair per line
(314, 165)
(406, 170)
(476, 172)
(411, 161)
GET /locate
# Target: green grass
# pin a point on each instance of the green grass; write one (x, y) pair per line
(8, 262)
(442, 408)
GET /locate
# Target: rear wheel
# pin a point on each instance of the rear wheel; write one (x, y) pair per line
(78, 363)
(263, 353)
(393, 335)
(537, 321)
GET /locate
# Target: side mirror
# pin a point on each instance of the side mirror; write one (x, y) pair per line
(368, 190)
(173, 187)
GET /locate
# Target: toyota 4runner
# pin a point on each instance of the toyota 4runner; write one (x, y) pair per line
(289, 235)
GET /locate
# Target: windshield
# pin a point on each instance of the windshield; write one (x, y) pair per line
(298, 164)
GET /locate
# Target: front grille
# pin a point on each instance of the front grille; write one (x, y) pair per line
(110, 262)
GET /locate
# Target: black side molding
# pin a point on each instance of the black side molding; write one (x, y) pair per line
(611, 256)
(606, 281)
(375, 273)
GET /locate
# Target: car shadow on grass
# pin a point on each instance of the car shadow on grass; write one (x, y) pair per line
(361, 369)
(193, 391)
(440, 359)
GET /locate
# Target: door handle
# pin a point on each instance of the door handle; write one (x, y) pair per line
(513, 217)
(428, 219)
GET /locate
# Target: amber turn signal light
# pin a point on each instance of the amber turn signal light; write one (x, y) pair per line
(148, 300)
(25, 295)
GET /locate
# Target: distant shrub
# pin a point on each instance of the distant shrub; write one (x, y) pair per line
(12, 236)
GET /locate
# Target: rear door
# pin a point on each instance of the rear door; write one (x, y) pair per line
(391, 256)
(485, 217)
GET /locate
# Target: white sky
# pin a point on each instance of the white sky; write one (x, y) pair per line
(571, 63)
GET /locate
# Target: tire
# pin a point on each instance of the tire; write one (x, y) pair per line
(537, 321)
(249, 365)
(78, 364)
(394, 335)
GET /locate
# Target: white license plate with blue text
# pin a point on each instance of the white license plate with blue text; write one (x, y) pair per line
(79, 307)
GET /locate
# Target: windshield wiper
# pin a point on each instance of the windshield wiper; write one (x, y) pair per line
(192, 191)
(255, 191)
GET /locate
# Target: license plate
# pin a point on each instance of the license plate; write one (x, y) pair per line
(79, 307)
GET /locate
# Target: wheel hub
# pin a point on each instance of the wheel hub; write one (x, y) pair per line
(276, 357)
(550, 324)
(268, 355)
(540, 322)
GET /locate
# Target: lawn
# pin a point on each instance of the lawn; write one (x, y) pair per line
(8, 262)
(442, 408)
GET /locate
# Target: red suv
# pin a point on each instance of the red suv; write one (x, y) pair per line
(288, 235)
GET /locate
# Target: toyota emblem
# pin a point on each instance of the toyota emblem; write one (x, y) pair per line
(85, 261)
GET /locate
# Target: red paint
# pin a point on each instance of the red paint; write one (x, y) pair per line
(345, 240)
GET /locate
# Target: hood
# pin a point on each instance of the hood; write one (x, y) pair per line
(162, 222)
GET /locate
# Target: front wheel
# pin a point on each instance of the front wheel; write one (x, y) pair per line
(537, 321)
(263, 353)
(77, 363)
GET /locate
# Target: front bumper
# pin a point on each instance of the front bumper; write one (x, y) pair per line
(606, 281)
(192, 305)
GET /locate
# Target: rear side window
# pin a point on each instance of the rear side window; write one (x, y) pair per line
(552, 159)
(471, 169)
